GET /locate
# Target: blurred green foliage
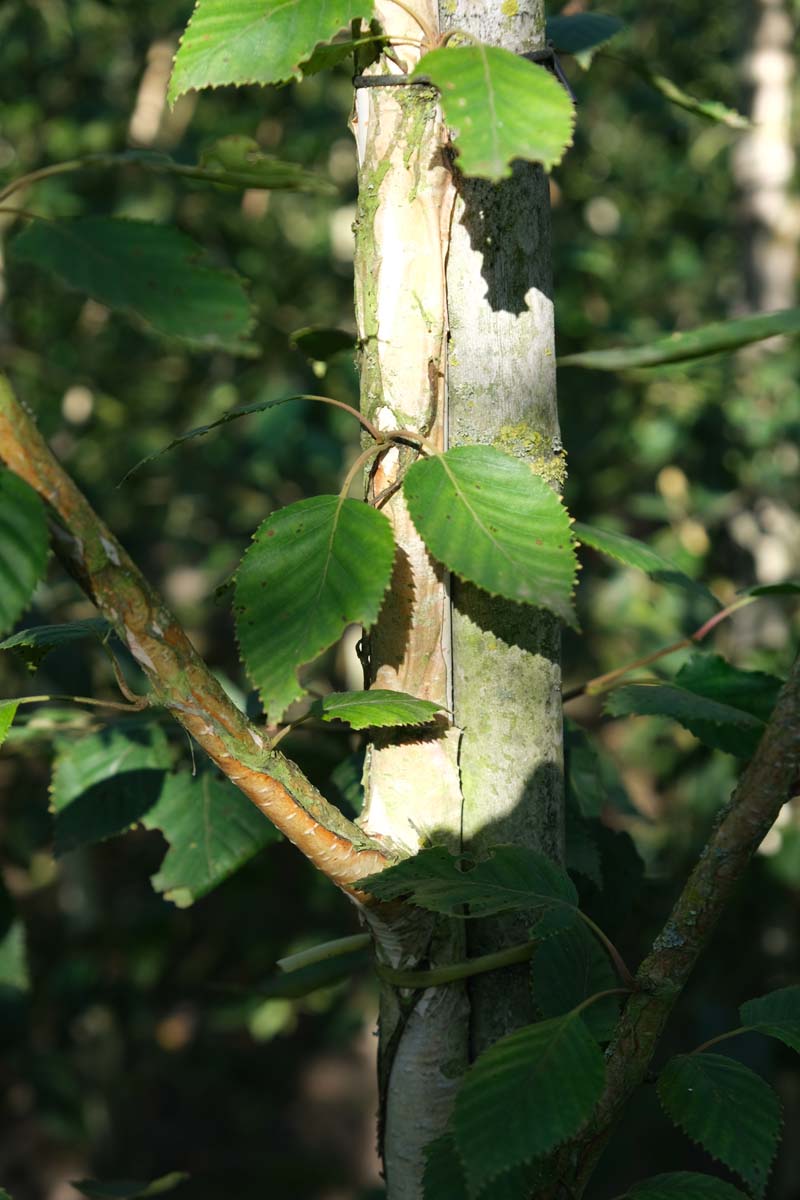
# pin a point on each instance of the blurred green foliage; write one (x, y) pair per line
(145, 1045)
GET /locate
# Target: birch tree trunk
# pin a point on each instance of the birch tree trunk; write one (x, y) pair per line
(501, 390)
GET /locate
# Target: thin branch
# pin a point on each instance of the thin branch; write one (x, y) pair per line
(770, 780)
(180, 680)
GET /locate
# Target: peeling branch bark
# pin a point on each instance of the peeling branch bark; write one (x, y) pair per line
(181, 681)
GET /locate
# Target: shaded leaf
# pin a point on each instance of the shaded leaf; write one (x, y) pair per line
(152, 272)
(718, 725)
(513, 877)
(378, 708)
(321, 344)
(683, 1185)
(709, 675)
(34, 644)
(712, 110)
(790, 587)
(128, 1189)
(103, 784)
(634, 553)
(567, 969)
(444, 1177)
(727, 1109)
(500, 107)
(13, 959)
(315, 976)
(582, 851)
(256, 41)
(487, 517)
(314, 567)
(8, 710)
(777, 1015)
(239, 161)
(717, 338)
(525, 1095)
(330, 55)
(212, 830)
(23, 546)
(581, 34)
(347, 779)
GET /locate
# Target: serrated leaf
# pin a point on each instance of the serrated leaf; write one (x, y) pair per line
(330, 55)
(256, 41)
(512, 877)
(500, 107)
(718, 725)
(683, 1185)
(321, 344)
(777, 1015)
(151, 272)
(8, 710)
(13, 959)
(567, 969)
(23, 546)
(633, 553)
(314, 567)
(525, 1095)
(34, 644)
(487, 517)
(444, 1177)
(709, 675)
(727, 1109)
(376, 709)
(105, 783)
(581, 34)
(212, 830)
(128, 1189)
(717, 338)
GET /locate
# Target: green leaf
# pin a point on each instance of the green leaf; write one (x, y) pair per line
(347, 779)
(8, 710)
(314, 567)
(500, 107)
(709, 675)
(712, 110)
(634, 553)
(718, 338)
(315, 976)
(212, 830)
(256, 41)
(567, 969)
(581, 34)
(487, 517)
(529, 1092)
(777, 1015)
(23, 546)
(512, 877)
(34, 644)
(330, 55)
(376, 709)
(13, 959)
(321, 344)
(718, 725)
(683, 1185)
(103, 784)
(128, 1189)
(147, 271)
(444, 1177)
(727, 1109)
(582, 852)
(790, 587)
(238, 161)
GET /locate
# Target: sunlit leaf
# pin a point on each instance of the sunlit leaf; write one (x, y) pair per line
(103, 784)
(314, 568)
(152, 272)
(728, 1109)
(717, 338)
(567, 969)
(512, 877)
(500, 107)
(34, 644)
(581, 33)
(212, 830)
(235, 161)
(487, 517)
(777, 1015)
(8, 710)
(712, 110)
(633, 553)
(377, 709)
(23, 546)
(529, 1092)
(128, 1189)
(256, 41)
(683, 1185)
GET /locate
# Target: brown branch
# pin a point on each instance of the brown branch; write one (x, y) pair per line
(180, 680)
(772, 778)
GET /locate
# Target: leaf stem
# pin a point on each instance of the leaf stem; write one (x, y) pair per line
(357, 467)
(623, 991)
(431, 36)
(324, 952)
(602, 683)
(409, 435)
(722, 1037)
(612, 951)
(437, 976)
(116, 704)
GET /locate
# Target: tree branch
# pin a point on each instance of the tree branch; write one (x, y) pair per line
(180, 680)
(772, 778)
